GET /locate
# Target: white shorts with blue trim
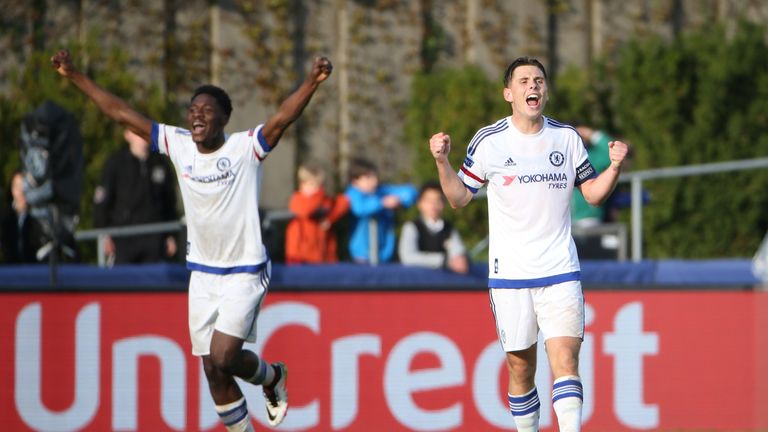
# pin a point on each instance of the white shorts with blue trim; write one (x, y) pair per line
(228, 303)
(556, 310)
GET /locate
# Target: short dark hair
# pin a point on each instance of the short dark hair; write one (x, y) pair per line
(222, 98)
(522, 61)
(359, 167)
(430, 185)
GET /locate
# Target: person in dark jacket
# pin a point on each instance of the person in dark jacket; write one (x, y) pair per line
(137, 187)
(21, 236)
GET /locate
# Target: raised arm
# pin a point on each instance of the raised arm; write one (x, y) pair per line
(453, 188)
(292, 107)
(111, 105)
(596, 190)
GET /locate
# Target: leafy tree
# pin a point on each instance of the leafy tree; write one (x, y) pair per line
(701, 98)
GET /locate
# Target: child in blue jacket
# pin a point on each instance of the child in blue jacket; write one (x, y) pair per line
(370, 201)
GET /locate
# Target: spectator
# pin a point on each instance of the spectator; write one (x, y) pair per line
(371, 202)
(583, 214)
(309, 237)
(429, 240)
(136, 188)
(22, 235)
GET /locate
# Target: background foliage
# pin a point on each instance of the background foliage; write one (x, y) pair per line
(38, 81)
(699, 98)
(696, 96)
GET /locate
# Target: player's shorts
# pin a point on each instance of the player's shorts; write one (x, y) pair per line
(227, 303)
(558, 310)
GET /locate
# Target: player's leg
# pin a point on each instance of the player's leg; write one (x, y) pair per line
(229, 357)
(204, 303)
(567, 392)
(230, 403)
(236, 323)
(210, 305)
(518, 333)
(522, 395)
(561, 317)
(227, 360)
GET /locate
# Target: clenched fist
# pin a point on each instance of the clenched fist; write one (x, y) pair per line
(63, 63)
(440, 145)
(617, 152)
(321, 69)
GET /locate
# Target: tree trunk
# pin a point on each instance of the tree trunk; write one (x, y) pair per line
(299, 14)
(170, 68)
(342, 71)
(215, 60)
(470, 23)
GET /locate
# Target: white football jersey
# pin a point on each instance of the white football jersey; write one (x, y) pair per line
(220, 195)
(530, 179)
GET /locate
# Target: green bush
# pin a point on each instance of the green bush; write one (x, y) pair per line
(701, 98)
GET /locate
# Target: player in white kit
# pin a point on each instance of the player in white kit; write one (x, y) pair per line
(218, 177)
(530, 165)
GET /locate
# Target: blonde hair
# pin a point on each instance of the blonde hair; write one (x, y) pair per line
(311, 172)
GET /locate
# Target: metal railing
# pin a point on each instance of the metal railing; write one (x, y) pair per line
(636, 179)
(99, 234)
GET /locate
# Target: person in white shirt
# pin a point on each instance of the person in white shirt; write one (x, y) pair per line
(429, 240)
(530, 165)
(218, 177)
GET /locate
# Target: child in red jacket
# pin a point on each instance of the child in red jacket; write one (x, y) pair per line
(308, 237)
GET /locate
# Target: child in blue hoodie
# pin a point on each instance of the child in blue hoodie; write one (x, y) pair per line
(370, 201)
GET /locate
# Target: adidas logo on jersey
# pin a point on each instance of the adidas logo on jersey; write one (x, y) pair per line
(509, 163)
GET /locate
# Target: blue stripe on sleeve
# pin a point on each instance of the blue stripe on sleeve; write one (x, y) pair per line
(487, 131)
(155, 147)
(263, 141)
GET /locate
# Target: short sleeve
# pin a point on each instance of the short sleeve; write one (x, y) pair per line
(167, 139)
(583, 167)
(472, 171)
(258, 143)
(159, 142)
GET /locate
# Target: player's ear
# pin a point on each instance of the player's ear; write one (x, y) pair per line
(508, 94)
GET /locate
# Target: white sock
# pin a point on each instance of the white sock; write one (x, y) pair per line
(265, 374)
(525, 410)
(567, 398)
(235, 416)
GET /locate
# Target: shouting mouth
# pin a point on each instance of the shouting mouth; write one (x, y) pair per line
(533, 100)
(198, 128)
